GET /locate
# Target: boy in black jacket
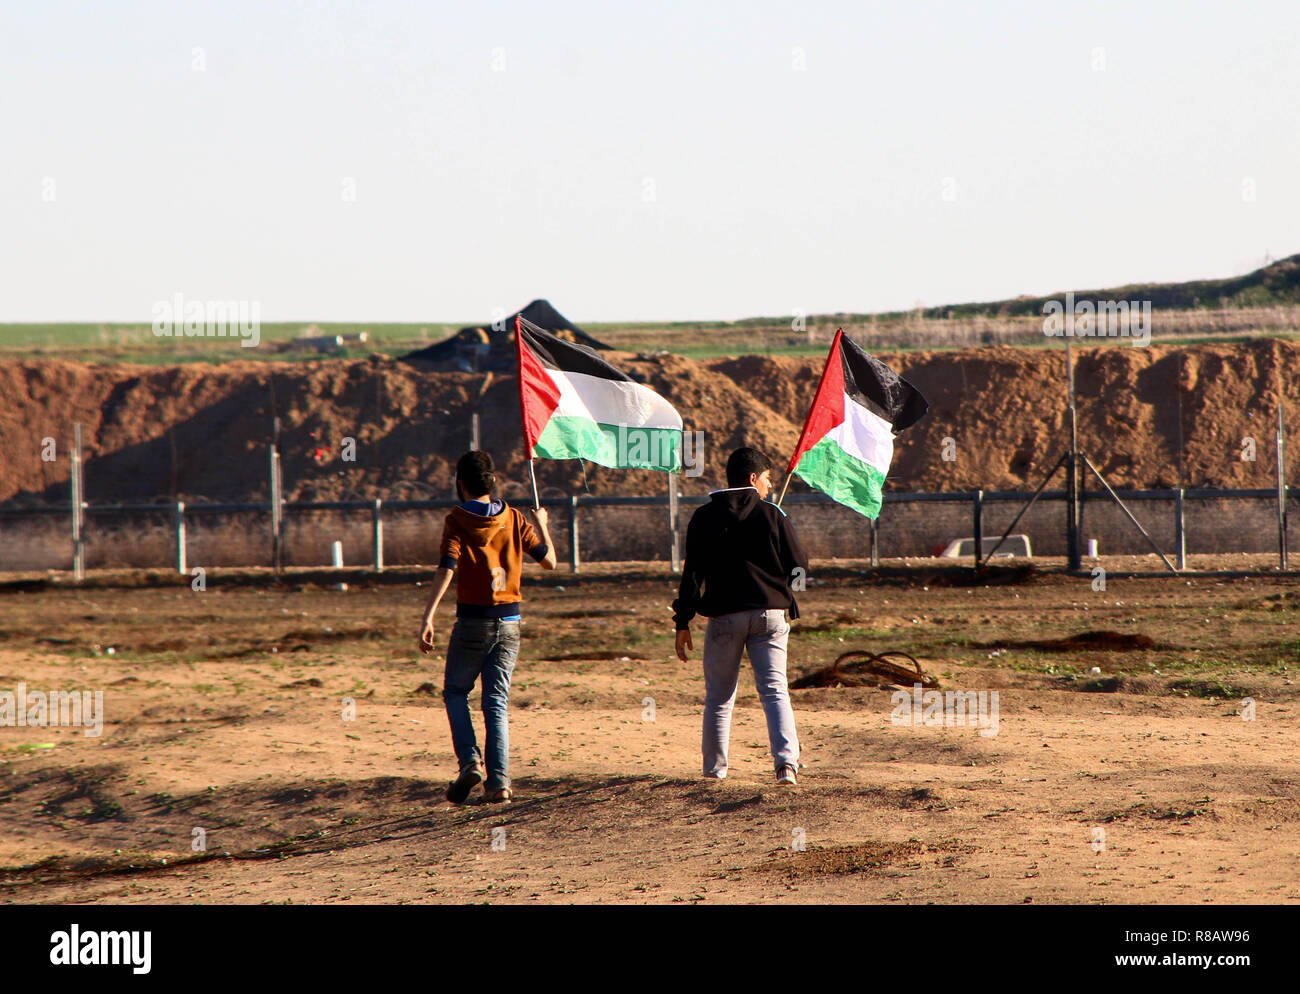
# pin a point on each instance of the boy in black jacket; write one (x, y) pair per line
(742, 555)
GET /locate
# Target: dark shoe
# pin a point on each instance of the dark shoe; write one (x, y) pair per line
(459, 789)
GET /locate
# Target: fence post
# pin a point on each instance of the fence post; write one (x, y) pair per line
(180, 537)
(875, 542)
(276, 510)
(979, 526)
(78, 509)
(1180, 530)
(674, 523)
(575, 559)
(1281, 490)
(377, 532)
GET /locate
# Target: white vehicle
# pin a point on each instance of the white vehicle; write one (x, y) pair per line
(1015, 545)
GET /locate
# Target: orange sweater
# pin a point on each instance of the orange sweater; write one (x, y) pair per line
(488, 549)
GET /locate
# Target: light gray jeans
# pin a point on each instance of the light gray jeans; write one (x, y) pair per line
(727, 636)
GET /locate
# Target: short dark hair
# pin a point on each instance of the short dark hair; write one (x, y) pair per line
(476, 473)
(742, 463)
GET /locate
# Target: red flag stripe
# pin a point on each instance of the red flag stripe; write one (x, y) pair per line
(538, 394)
(827, 409)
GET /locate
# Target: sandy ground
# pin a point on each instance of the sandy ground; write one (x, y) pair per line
(225, 712)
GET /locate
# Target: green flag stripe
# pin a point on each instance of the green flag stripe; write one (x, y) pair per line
(616, 446)
(843, 478)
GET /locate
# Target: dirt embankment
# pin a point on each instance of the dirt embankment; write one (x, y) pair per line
(1156, 416)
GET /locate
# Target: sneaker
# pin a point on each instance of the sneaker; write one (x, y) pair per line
(500, 795)
(786, 775)
(470, 777)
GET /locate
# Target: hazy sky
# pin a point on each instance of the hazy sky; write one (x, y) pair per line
(634, 161)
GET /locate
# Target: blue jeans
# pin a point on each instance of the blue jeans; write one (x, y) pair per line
(487, 648)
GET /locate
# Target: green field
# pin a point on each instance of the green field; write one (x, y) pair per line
(1265, 303)
(110, 342)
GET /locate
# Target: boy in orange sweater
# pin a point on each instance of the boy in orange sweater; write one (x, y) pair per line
(486, 540)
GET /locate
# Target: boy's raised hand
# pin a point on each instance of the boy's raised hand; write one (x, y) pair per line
(541, 517)
(683, 643)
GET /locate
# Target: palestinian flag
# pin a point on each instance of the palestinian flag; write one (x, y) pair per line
(848, 439)
(577, 406)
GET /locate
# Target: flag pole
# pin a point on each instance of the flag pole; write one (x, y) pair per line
(536, 500)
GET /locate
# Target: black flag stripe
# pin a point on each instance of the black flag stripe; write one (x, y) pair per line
(879, 389)
(555, 353)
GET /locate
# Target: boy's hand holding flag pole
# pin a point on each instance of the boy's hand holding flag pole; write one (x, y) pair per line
(848, 438)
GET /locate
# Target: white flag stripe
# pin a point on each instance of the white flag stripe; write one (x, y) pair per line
(612, 402)
(864, 435)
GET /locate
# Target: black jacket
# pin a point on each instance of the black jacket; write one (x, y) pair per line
(741, 555)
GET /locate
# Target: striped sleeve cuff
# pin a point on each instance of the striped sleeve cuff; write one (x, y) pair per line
(447, 562)
(540, 552)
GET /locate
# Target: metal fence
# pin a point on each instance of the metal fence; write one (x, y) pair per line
(377, 533)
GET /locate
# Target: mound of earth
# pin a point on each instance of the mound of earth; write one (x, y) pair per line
(1148, 417)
